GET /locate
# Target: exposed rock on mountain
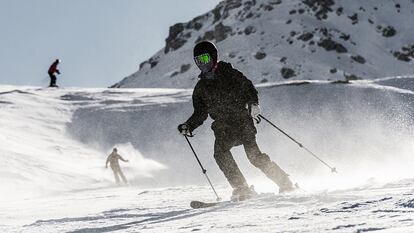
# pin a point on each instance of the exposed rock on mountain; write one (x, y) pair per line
(367, 39)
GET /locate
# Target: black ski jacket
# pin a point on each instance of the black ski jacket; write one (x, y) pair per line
(224, 98)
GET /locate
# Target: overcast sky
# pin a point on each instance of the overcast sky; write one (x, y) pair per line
(98, 41)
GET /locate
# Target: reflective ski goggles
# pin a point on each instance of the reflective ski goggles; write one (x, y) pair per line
(203, 59)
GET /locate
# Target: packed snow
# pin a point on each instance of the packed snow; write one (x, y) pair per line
(54, 143)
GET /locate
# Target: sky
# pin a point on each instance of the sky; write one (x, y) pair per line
(99, 41)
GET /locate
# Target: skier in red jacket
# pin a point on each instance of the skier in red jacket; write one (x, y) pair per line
(52, 70)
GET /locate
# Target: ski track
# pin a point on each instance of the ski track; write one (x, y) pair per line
(104, 208)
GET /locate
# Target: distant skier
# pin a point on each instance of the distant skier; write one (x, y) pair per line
(52, 70)
(231, 100)
(113, 161)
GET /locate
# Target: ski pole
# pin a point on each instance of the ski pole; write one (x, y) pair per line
(202, 168)
(333, 169)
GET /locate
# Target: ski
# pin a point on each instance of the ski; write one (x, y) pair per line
(201, 204)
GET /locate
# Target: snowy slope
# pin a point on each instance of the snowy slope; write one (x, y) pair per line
(273, 40)
(54, 144)
(39, 157)
(358, 125)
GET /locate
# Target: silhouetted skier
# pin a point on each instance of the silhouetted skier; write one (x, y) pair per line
(231, 100)
(52, 70)
(113, 161)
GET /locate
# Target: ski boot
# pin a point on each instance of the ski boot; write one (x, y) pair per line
(288, 188)
(243, 193)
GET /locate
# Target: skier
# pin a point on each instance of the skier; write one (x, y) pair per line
(231, 100)
(113, 161)
(52, 70)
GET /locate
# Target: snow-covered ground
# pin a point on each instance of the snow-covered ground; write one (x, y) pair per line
(54, 143)
(364, 209)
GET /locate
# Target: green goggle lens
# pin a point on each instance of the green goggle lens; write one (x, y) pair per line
(203, 58)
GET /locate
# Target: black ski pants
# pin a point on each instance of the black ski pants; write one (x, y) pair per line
(235, 133)
(52, 80)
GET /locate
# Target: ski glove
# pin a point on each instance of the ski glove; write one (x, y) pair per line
(184, 129)
(254, 110)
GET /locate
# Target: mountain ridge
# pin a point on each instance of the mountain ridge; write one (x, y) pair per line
(274, 40)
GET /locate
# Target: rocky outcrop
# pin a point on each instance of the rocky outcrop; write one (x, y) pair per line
(249, 30)
(389, 31)
(222, 11)
(184, 68)
(220, 33)
(174, 41)
(351, 77)
(260, 55)
(358, 58)
(406, 53)
(152, 62)
(331, 45)
(354, 18)
(306, 36)
(321, 8)
(287, 73)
